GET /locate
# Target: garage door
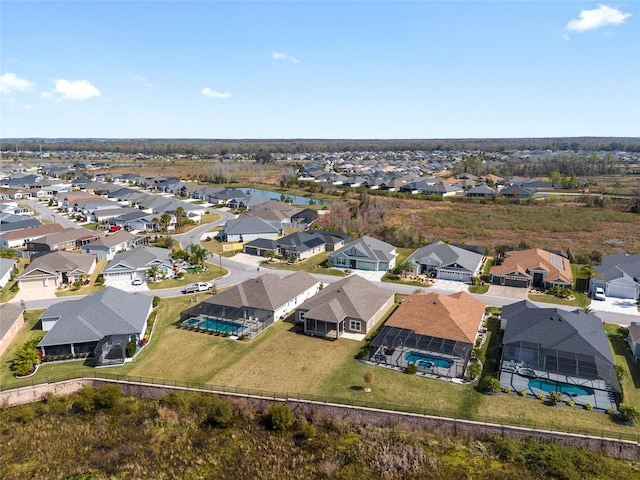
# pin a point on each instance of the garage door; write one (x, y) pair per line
(511, 282)
(251, 250)
(620, 291)
(449, 275)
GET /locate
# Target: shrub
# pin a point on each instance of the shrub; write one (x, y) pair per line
(280, 417)
(27, 357)
(411, 369)
(589, 406)
(522, 393)
(307, 430)
(506, 389)
(554, 398)
(628, 413)
(610, 411)
(620, 372)
(156, 301)
(489, 384)
(540, 396)
(107, 396)
(222, 413)
(131, 347)
(474, 370)
(571, 403)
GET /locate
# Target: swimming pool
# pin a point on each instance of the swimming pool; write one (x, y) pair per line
(222, 326)
(215, 325)
(549, 386)
(423, 360)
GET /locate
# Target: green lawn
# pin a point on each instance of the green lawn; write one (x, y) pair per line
(212, 273)
(580, 301)
(310, 265)
(89, 289)
(282, 360)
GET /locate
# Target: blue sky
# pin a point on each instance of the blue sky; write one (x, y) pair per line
(314, 69)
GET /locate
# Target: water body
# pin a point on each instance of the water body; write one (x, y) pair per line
(295, 199)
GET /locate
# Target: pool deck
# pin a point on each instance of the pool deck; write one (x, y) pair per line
(600, 400)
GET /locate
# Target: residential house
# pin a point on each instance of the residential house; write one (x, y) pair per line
(7, 268)
(517, 192)
(106, 247)
(245, 229)
(298, 245)
(68, 239)
(481, 191)
(98, 325)
(633, 339)
(532, 268)
(365, 253)
(619, 276)
(255, 304)
(351, 306)
(134, 263)
(434, 332)
(275, 212)
(56, 269)
(553, 350)
(11, 320)
(446, 262)
(19, 238)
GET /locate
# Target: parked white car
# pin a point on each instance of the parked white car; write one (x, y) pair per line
(197, 287)
(137, 281)
(598, 294)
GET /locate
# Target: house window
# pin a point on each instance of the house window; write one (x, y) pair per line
(355, 325)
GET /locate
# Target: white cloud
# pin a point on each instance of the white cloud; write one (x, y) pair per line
(207, 92)
(10, 82)
(73, 90)
(283, 56)
(597, 18)
(142, 80)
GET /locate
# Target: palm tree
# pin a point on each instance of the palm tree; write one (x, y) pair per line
(165, 220)
(9, 253)
(153, 271)
(197, 254)
(589, 272)
(179, 214)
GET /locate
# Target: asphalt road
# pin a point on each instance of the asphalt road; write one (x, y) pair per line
(48, 214)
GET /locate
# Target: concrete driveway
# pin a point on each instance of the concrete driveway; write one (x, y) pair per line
(41, 293)
(626, 306)
(126, 286)
(508, 292)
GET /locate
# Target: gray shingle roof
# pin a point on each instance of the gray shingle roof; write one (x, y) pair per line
(9, 313)
(108, 312)
(440, 254)
(140, 257)
(367, 247)
(249, 225)
(352, 297)
(614, 266)
(60, 261)
(267, 292)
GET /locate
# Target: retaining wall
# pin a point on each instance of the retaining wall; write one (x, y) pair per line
(623, 449)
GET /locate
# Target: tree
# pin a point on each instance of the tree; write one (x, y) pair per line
(404, 267)
(197, 254)
(263, 157)
(473, 371)
(368, 379)
(165, 220)
(589, 272)
(628, 413)
(270, 255)
(179, 214)
(27, 357)
(153, 271)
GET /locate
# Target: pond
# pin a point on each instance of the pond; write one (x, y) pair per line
(295, 199)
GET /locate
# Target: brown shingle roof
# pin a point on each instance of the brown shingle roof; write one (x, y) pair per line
(30, 232)
(454, 317)
(557, 266)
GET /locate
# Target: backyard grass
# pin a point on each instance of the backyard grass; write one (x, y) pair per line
(6, 295)
(282, 360)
